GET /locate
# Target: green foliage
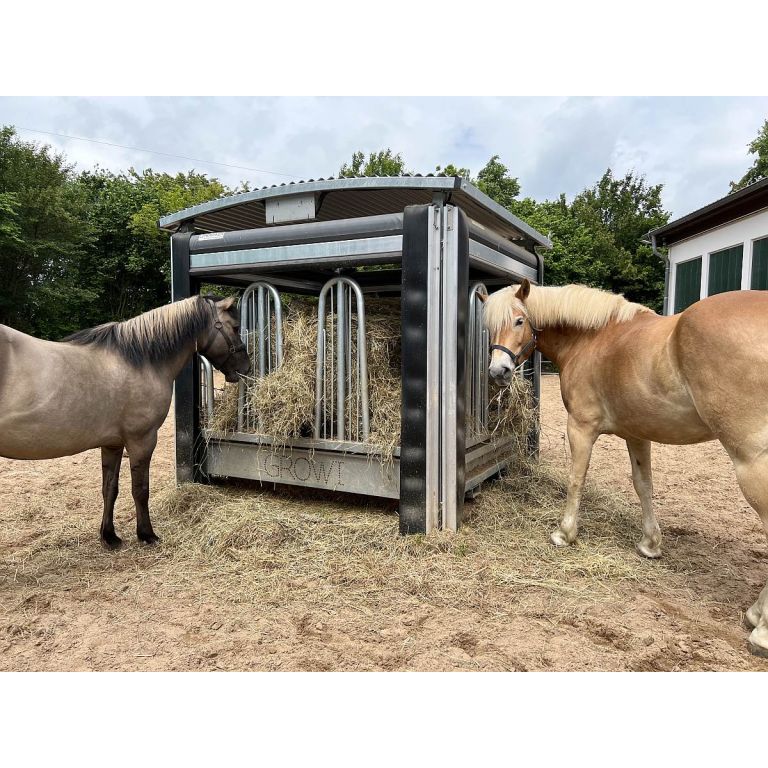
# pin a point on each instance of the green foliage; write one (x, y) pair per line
(495, 181)
(597, 238)
(128, 266)
(43, 230)
(759, 170)
(80, 250)
(452, 170)
(382, 163)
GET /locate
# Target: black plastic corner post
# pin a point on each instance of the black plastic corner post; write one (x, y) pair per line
(187, 385)
(417, 222)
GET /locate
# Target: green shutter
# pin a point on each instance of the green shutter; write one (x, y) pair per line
(760, 265)
(725, 270)
(687, 283)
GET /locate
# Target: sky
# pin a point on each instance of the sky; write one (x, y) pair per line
(694, 146)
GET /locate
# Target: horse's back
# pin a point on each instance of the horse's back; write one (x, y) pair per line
(721, 346)
(723, 328)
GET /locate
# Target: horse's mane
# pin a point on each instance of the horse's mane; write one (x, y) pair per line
(151, 337)
(575, 306)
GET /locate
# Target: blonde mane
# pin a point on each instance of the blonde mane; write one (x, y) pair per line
(575, 306)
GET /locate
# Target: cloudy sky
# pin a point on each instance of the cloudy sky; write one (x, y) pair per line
(694, 146)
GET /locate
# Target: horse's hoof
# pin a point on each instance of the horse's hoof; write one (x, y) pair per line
(559, 539)
(652, 553)
(149, 538)
(757, 650)
(111, 541)
(752, 617)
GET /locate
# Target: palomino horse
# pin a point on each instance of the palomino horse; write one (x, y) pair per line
(624, 370)
(110, 387)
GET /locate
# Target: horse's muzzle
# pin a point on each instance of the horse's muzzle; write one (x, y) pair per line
(501, 373)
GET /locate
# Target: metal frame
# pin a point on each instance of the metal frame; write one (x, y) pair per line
(357, 426)
(478, 343)
(439, 248)
(206, 387)
(260, 306)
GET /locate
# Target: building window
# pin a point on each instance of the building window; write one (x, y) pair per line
(725, 270)
(760, 265)
(687, 283)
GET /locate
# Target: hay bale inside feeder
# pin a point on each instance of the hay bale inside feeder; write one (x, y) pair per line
(282, 403)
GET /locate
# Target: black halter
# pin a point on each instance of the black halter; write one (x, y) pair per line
(218, 327)
(528, 348)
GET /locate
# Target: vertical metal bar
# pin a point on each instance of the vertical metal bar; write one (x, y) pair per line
(256, 333)
(320, 389)
(362, 358)
(485, 362)
(348, 341)
(340, 360)
(260, 309)
(206, 386)
(448, 414)
(455, 299)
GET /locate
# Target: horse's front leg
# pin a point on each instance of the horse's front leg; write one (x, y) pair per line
(581, 439)
(640, 456)
(110, 475)
(140, 454)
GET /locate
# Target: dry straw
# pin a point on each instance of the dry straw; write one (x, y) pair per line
(311, 550)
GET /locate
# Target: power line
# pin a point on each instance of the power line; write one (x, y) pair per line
(155, 152)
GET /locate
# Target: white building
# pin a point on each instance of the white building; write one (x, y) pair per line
(721, 247)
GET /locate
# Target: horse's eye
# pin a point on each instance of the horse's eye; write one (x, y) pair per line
(519, 321)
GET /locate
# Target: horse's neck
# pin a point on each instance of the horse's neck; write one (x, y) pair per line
(559, 344)
(175, 364)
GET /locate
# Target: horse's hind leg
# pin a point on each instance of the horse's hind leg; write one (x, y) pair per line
(581, 440)
(753, 480)
(110, 475)
(140, 454)
(640, 456)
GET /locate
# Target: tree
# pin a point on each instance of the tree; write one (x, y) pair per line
(759, 170)
(128, 266)
(43, 232)
(382, 163)
(452, 170)
(597, 239)
(495, 181)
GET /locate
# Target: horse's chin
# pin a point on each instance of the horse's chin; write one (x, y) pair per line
(231, 377)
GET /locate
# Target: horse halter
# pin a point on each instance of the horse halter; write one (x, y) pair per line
(218, 327)
(528, 348)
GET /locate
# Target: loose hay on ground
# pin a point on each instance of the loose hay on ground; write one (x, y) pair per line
(302, 550)
(241, 544)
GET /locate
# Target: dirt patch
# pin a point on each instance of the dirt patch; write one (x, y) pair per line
(270, 592)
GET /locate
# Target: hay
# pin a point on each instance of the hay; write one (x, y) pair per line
(335, 552)
(282, 404)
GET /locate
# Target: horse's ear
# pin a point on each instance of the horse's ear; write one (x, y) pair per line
(523, 290)
(227, 303)
(482, 296)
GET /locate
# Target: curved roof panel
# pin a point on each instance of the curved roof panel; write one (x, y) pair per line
(349, 198)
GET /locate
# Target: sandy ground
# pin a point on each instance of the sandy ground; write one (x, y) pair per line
(115, 612)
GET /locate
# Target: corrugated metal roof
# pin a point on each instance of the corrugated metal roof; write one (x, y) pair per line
(350, 198)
